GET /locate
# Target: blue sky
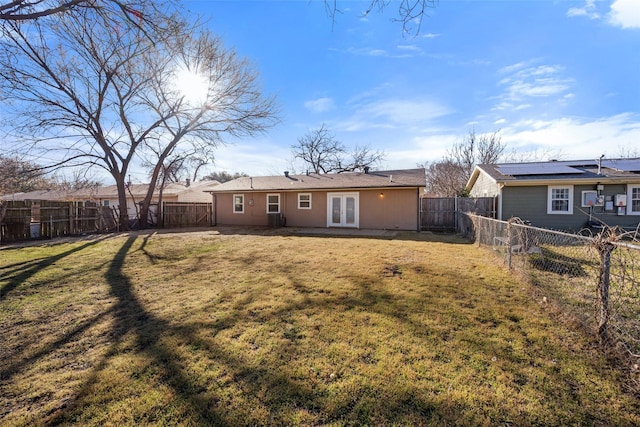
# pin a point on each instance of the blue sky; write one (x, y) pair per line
(559, 79)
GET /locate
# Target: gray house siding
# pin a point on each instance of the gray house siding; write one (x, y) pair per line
(611, 217)
(530, 204)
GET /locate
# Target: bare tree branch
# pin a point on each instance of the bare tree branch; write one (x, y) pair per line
(323, 153)
(410, 13)
(103, 92)
(449, 176)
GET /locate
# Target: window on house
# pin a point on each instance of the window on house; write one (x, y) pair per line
(304, 201)
(238, 203)
(634, 199)
(105, 203)
(560, 200)
(273, 203)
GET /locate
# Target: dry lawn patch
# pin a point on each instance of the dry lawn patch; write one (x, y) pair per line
(269, 328)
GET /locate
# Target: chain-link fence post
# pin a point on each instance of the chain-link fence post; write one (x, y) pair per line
(604, 279)
(509, 243)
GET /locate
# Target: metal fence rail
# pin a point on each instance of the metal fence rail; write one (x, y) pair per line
(596, 279)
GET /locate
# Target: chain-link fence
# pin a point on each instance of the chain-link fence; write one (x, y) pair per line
(593, 278)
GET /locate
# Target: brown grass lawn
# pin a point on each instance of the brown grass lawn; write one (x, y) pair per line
(267, 328)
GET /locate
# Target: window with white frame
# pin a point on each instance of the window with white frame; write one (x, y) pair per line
(304, 200)
(560, 199)
(633, 202)
(238, 203)
(273, 203)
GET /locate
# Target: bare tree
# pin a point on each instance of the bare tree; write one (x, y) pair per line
(530, 156)
(76, 180)
(449, 176)
(410, 13)
(92, 93)
(445, 178)
(17, 176)
(320, 150)
(476, 150)
(628, 152)
(223, 176)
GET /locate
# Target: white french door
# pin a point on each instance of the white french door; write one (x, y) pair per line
(342, 210)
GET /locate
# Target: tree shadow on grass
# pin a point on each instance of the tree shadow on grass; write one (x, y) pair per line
(19, 273)
(266, 385)
(148, 330)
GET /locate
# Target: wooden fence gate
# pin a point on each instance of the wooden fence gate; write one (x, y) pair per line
(441, 213)
(186, 214)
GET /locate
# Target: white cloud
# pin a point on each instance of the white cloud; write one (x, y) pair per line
(409, 47)
(421, 149)
(524, 81)
(625, 14)
(402, 51)
(575, 139)
(430, 36)
(588, 10)
(509, 69)
(320, 105)
(392, 113)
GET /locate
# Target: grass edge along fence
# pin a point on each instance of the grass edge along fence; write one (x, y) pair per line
(595, 279)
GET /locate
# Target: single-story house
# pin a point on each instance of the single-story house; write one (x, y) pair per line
(563, 195)
(371, 200)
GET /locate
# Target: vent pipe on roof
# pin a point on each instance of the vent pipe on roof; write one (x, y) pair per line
(390, 178)
(286, 174)
(188, 182)
(366, 169)
(600, 165)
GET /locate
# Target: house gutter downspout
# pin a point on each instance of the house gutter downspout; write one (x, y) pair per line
(214, 215)
(499, 213)
(419, 224)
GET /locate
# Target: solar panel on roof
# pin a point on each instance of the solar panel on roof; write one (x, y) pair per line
(623, 165)
(537, 169)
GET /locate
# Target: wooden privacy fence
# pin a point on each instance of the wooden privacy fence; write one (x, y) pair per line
(186, 214)
(34, 219)
(441, 213)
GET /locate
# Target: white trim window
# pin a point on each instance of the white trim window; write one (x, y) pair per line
(238, 203)
(273, 203)
(560, 199)
(633, 199)
(304, 200)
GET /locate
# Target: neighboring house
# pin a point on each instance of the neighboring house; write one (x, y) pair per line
(372, 200)
(173, 192)
(564, 195)
(108, 196)
(53, 195)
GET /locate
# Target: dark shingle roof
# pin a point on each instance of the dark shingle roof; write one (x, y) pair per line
(585, 170)
(312, 181)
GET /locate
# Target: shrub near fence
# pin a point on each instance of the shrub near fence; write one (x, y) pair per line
(594, 278)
